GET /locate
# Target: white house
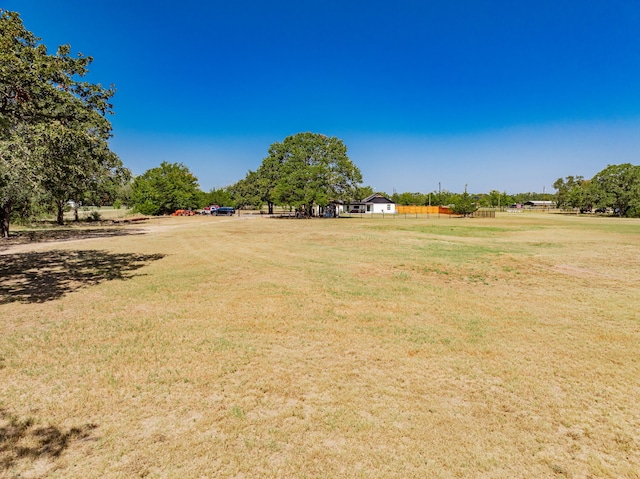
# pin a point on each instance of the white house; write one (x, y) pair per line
(373, 204)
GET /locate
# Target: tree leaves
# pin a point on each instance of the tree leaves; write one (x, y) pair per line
(616, 187)
(164, 189)
(53, 128)
(307, 169)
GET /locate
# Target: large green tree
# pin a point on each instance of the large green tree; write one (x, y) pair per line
(162, 190)
(52, 123)
(76, 162)
(309, 169)
(618, 187)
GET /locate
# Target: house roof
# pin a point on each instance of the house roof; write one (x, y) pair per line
(376, 198)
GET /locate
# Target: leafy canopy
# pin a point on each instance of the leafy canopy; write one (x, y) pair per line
(162, 190)
(303, 170)
(616, 187)
(53, 127)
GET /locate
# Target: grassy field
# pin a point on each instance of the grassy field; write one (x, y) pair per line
(253, 347)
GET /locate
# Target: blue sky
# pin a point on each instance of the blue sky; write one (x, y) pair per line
(490, 94)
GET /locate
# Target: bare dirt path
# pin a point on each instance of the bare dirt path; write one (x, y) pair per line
(29, 241)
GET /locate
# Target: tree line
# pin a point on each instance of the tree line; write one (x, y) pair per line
(289, 177)
(302, 171)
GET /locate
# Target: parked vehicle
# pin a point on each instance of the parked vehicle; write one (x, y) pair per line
(183, 213)
(208, 210)
(224, 211)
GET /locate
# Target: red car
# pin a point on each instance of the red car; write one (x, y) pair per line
(183, 213)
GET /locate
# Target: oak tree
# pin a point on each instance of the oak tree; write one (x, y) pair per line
(53, 127)
(162, 190)
(309, 169)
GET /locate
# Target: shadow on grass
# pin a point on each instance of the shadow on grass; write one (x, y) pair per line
(65, 234)
(21, 440)
(38, 277)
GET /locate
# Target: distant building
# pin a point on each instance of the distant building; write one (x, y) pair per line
(540, 204)
(375, 203)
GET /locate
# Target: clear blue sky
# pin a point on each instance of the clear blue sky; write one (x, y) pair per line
(501, 94)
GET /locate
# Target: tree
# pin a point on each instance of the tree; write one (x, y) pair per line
(441, 198)
(18, 176)
(618, 187)
(164, 189)
(363, 192)
(464, 204)
(311, 169)
(246, 192)
(565, 194)
(495, 199)
(51, 122)
(218, 196)
(411, 199)
(76, 162)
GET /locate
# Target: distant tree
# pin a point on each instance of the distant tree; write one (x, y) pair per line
(247, 192)
(363, 192)
(218, 196)
(564, 197)
(164, 189)
(618, 187)
(440, 198)
(411, 199)
(307, 169)
(122, 193)
(112, 189)
(464, 204)
(495, 199)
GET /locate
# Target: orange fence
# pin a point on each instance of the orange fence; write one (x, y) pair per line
(423, 210)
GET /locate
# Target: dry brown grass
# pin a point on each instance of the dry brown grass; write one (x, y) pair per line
(226, 347)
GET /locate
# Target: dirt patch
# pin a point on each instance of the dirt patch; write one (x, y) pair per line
(26, 238)
(575, 271)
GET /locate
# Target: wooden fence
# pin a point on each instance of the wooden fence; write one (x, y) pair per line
(484, 214)
(423, 210)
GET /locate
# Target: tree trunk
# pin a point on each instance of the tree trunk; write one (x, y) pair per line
(5, 217)
(75, 213)
(270, 206)
(60, 216)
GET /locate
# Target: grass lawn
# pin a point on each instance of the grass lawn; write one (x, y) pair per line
(196, 347)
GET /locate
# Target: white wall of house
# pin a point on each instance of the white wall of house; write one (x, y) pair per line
(372, 208)
(379, 208)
